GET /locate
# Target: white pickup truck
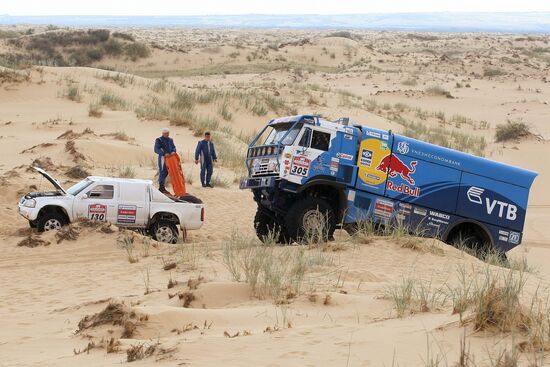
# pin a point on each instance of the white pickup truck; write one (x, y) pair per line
(124, 202)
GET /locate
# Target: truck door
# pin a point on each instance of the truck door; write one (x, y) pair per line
(97, 203)
(373, 160)
(310, 156)
(133, 204)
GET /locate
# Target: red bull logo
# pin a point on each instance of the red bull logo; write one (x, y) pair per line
(393, 166)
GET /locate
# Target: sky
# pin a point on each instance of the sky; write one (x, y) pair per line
(228, 7)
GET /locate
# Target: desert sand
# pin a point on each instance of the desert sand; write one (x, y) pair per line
(80, 301)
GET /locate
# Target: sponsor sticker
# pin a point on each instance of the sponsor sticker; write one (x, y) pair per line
(383, 208)
(403, 189)
(345, 156)
(348, 137)
(439, 218)
(366, 157)
(97, 212)
(514, 237)
(126, 214)
(288, 155)
(374, 134)
(420, 211)
(300, 166)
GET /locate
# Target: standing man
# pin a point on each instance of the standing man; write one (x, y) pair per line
(164, 147)
(206, 153)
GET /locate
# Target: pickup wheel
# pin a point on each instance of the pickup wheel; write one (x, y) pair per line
(267, 228)
(310, 219)
(50, 221)
(165, 231)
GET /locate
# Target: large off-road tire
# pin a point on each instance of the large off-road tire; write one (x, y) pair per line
(165, 231)
(310, 219)
(50, 221)
(471, 239)
(267, 228)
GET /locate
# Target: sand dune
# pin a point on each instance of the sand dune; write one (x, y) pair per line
(343, 309)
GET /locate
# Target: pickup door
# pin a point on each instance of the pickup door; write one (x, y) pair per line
(98, 203)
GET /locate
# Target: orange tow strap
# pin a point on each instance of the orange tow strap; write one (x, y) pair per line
(173, 164)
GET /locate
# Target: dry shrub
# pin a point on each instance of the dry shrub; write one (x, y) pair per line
(116, 314)
(77, 172)
(193, 283)
(70, 148)
(69, 233)
(45, 163)
(139, 351)
(187, 298)
(33, 241)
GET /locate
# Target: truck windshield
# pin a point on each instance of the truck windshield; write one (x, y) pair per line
(276, 134)
(78, 187)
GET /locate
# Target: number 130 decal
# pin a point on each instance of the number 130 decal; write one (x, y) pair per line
(97, 212)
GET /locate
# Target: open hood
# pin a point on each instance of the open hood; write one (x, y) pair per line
(52, 180)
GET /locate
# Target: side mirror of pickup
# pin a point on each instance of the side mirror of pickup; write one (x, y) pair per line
(85, 196)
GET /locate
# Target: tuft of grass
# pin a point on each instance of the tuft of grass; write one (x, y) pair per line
(73, 93)
(126, 172)
(491, 72)
(511, 130)
(112, 101)
(269, 270)
(94, 110)
(126, 242)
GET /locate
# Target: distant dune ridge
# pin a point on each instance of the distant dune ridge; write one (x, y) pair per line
(538, 22)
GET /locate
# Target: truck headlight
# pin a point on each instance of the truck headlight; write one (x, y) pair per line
(30, 203)
(272, 166)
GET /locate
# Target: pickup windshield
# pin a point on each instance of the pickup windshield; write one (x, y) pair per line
(275, 134)
(78, 187)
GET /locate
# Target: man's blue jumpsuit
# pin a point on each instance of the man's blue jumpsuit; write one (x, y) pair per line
(206, 153)
(163, 146)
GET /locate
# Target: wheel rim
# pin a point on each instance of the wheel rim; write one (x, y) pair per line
(164, 234)
(313, 220)
(52, 225)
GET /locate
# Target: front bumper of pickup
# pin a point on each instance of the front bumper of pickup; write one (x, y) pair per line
(257, 182)
(27, 213)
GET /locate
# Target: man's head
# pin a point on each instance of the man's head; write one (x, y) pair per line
(207, 136)
(165, 132)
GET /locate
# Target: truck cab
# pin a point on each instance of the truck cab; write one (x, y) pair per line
(302, 168)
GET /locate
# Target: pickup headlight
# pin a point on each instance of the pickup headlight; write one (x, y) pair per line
(30, 203)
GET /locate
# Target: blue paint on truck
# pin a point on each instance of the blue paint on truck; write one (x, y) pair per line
(354, 173)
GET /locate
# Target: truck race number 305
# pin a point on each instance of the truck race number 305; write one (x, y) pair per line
(300, 166)
(97, 212)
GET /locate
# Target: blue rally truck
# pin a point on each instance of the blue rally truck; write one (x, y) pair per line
(301, 166)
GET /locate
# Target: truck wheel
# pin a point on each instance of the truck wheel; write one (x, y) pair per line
(267, 227)
(50, 221)
(310, 219)
(165, 231)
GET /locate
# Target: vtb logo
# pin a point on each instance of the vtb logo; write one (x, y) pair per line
(474, 195)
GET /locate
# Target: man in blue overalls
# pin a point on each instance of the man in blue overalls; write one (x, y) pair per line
(206, 154)
(164, 147)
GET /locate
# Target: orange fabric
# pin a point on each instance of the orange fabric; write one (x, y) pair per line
(173, 164)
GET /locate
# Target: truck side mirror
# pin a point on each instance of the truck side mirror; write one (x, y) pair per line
(85, 196)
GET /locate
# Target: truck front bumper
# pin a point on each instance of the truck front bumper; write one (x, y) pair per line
(257, 182)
